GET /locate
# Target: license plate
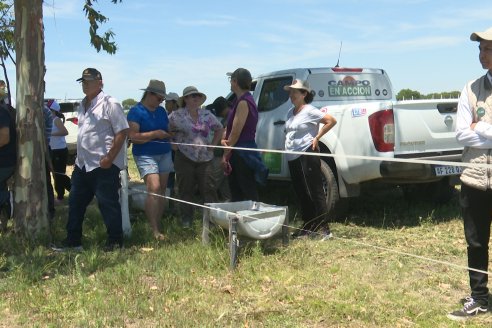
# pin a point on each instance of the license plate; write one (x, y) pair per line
(448, 170)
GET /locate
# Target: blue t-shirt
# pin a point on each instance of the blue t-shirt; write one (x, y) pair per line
(150, 121)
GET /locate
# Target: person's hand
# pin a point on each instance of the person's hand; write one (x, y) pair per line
(315, 144)
(224, 142)
(472, 126)
(160, 134)
(105, 162)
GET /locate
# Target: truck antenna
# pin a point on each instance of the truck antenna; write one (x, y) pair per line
(339, 51)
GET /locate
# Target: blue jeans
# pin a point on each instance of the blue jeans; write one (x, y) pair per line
(104, 184)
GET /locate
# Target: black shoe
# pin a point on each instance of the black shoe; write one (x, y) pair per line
(470, 309)
(112, 246)
(301, 234)
(68, 245)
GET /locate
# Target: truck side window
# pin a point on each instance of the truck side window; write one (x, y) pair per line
(273, 94)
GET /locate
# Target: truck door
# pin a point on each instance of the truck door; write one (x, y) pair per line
(273, 104)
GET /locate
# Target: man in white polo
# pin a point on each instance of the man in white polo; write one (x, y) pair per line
(102, 133)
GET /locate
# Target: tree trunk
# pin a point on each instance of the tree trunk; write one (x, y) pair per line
(30, 208)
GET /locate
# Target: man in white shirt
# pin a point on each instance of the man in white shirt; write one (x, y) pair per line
(474, 131)
(102, 132)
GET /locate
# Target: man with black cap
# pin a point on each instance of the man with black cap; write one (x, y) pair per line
(102, 132)
(474, 131)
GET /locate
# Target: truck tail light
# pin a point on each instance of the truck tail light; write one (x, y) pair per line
(382, 125)
(74, 120)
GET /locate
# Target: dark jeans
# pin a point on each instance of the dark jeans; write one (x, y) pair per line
(189, 176)
(59, 159)
(305, 172)
(242, 181)
(104, 184)
(476, 208)
(5, 174)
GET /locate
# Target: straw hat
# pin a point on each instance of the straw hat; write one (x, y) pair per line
(298, 84)
(157, 87)
(188, 91)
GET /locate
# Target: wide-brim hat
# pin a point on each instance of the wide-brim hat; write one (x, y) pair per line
(486, 35)
(157, 87)
(172, 96)
(298, 84)
(188, 91)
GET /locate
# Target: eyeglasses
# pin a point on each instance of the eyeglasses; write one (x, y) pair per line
(196, 95)
(159, 97)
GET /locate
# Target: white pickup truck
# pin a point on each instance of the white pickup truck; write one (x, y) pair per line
(370, 123)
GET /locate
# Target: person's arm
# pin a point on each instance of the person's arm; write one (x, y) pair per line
(118, 141)
(468, 132)
(242, 112)
(142, 137)
(4, 136)
(62, 130)
(328, 122)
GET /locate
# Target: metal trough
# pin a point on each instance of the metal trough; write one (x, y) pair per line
(254, 220)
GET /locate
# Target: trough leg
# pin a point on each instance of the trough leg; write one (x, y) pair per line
(206, 227)
(285, 229)
(233, 242)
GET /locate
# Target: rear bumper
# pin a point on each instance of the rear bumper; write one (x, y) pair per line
(409, 172)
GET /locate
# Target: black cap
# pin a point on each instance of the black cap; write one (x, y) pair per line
(219, 104)
(90, 74)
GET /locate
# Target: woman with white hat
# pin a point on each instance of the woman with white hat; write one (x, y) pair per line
(302, 135)
(58, 150)
(149, 133)
(194, 125)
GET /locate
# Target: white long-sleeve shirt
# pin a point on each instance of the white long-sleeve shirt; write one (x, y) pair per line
(481, 136)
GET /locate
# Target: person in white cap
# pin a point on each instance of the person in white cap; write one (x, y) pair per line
(303, 132)
(474, 132)
(58, 150)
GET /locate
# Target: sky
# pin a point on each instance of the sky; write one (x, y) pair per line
(423, 45)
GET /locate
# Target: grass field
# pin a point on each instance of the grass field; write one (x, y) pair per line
(361, 278)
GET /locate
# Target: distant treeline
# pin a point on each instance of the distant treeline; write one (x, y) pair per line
(408, 94)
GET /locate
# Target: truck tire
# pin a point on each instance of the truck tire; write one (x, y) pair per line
(330, 186)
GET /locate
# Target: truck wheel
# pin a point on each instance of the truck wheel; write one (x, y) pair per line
(330, 186)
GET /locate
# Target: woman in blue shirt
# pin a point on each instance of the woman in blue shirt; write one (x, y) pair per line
(151, 149)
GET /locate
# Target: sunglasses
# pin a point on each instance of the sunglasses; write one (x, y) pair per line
(159, 97)
(195, 95)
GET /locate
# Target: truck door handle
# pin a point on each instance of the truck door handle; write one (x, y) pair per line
(279, 122)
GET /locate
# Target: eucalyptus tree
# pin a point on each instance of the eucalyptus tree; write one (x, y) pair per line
(31, 216)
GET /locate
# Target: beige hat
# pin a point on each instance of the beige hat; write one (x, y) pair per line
(191, 90)
(172, 96)
(298, 84)
(157, 87)
(478, 36)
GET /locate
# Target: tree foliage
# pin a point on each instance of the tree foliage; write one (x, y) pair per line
(128, 103)
(95, 18)
(408, 94)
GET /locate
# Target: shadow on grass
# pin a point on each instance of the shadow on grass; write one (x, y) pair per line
(379, 205)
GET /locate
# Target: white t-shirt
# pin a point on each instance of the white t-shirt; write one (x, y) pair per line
(301, 129)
